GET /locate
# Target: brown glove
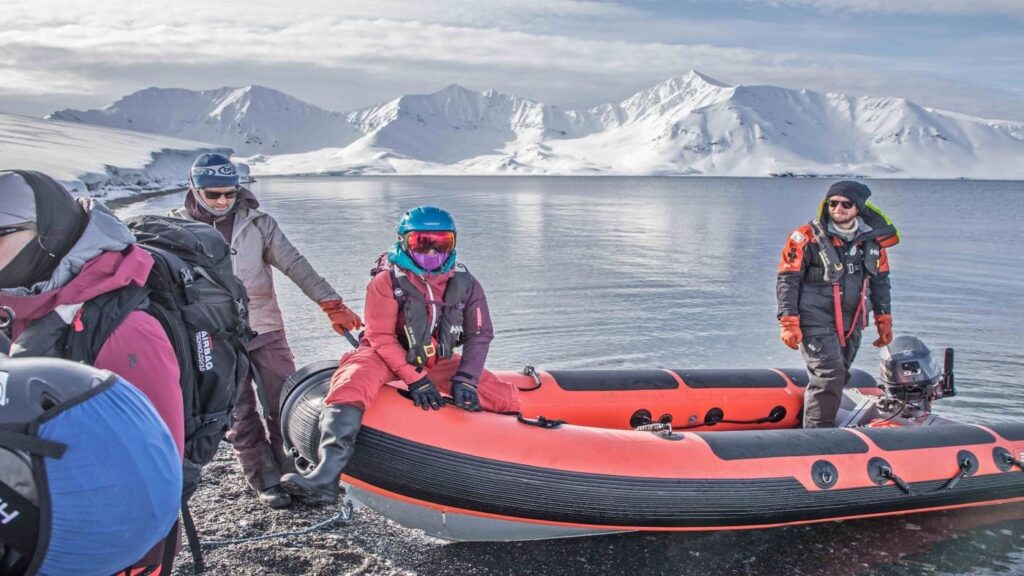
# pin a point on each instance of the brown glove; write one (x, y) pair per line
(791, 335)
(884, 324)
(342, 319)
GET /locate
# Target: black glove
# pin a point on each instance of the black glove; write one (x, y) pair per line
(465, 396)
(425, 395)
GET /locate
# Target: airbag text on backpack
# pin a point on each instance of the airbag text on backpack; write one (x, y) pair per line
(204, 351)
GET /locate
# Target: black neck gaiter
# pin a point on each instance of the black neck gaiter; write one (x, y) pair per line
(60, 222)
(33, 264)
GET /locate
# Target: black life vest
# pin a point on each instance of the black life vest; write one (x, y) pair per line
(834, 265)
(418, 335)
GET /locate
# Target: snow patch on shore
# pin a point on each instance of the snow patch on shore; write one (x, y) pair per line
(98, 161)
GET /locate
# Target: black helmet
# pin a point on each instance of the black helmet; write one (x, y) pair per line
(907, 362)
(28, 388)
(31, 386)
(86, 463)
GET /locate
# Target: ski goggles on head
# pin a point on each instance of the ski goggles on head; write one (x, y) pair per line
(214, 195)
(427, 240)
(5, 230)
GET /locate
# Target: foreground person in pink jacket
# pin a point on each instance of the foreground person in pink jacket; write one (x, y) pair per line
(56, 253)
(420, 306)
(217, 198)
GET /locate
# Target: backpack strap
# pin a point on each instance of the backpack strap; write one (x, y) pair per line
(450, 331)
(98, 318)
(192, 535)
(21, 521)
(170, 545)
(830, 259)
(46, 336)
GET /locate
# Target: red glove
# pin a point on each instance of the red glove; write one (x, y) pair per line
(884, 324)
(342, 319)
(791, 335)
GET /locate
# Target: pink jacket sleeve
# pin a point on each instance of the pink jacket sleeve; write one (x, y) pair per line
(381, 313)
(139, 351)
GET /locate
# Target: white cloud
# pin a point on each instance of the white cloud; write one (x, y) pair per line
(29, 82)
(339, 43)
(1003, 7)
(343, 55)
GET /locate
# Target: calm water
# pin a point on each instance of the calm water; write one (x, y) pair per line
(680, 272)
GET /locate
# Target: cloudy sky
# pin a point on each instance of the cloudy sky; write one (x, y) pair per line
(963, 55)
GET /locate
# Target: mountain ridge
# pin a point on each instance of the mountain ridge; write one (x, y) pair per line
(686, 125)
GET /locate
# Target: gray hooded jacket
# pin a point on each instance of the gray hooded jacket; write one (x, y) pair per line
(258, 243)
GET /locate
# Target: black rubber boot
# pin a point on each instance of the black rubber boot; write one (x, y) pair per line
(339, 425)
(275, 497)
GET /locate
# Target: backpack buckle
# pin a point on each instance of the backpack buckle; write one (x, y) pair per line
(430, 350)
(187, 278)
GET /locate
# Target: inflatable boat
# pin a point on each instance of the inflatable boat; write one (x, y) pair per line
(601, 451)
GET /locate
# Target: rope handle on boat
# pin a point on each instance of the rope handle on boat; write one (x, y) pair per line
(655, 427)
(888, 474)
(6, 317)
(966, 468)
(717, 416)
(540, 422)
(1009, 459)
(664, 430)
(530, 371)
(344, 516)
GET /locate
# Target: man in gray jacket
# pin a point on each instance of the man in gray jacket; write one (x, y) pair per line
(217, 198)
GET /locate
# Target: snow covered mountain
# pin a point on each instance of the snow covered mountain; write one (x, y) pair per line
(96, 160)
(457, 124)
(692, 125)
(250, 120)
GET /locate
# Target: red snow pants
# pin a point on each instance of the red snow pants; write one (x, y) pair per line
(363, 373)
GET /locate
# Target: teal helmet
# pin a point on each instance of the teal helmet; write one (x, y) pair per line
(425, 218)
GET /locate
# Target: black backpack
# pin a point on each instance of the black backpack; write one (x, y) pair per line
(202, 307)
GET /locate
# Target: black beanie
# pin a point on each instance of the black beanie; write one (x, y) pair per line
(855, 191)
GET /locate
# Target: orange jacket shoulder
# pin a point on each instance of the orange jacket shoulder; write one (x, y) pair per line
(793, 252)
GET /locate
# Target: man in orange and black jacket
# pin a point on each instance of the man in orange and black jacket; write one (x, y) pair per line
(833, 270)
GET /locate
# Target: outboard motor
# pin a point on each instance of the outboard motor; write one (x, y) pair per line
(912, 379)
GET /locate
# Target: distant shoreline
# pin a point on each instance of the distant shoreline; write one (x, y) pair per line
(123, 201)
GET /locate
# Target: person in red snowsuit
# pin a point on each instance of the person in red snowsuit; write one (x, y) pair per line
(419, 307)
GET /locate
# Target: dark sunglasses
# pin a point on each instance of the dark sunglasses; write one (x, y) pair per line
(211, 195)
(5, 230)
(844, 203)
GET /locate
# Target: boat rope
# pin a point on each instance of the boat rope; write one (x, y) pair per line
(776, 415)
(655, 427)
(540, 422)
(888, 474)
(895, 413)
(1011, 460)
(716, 416)
(344, 516)
(530, 371)
(6, 318)
(966, 467)
(664, 430)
